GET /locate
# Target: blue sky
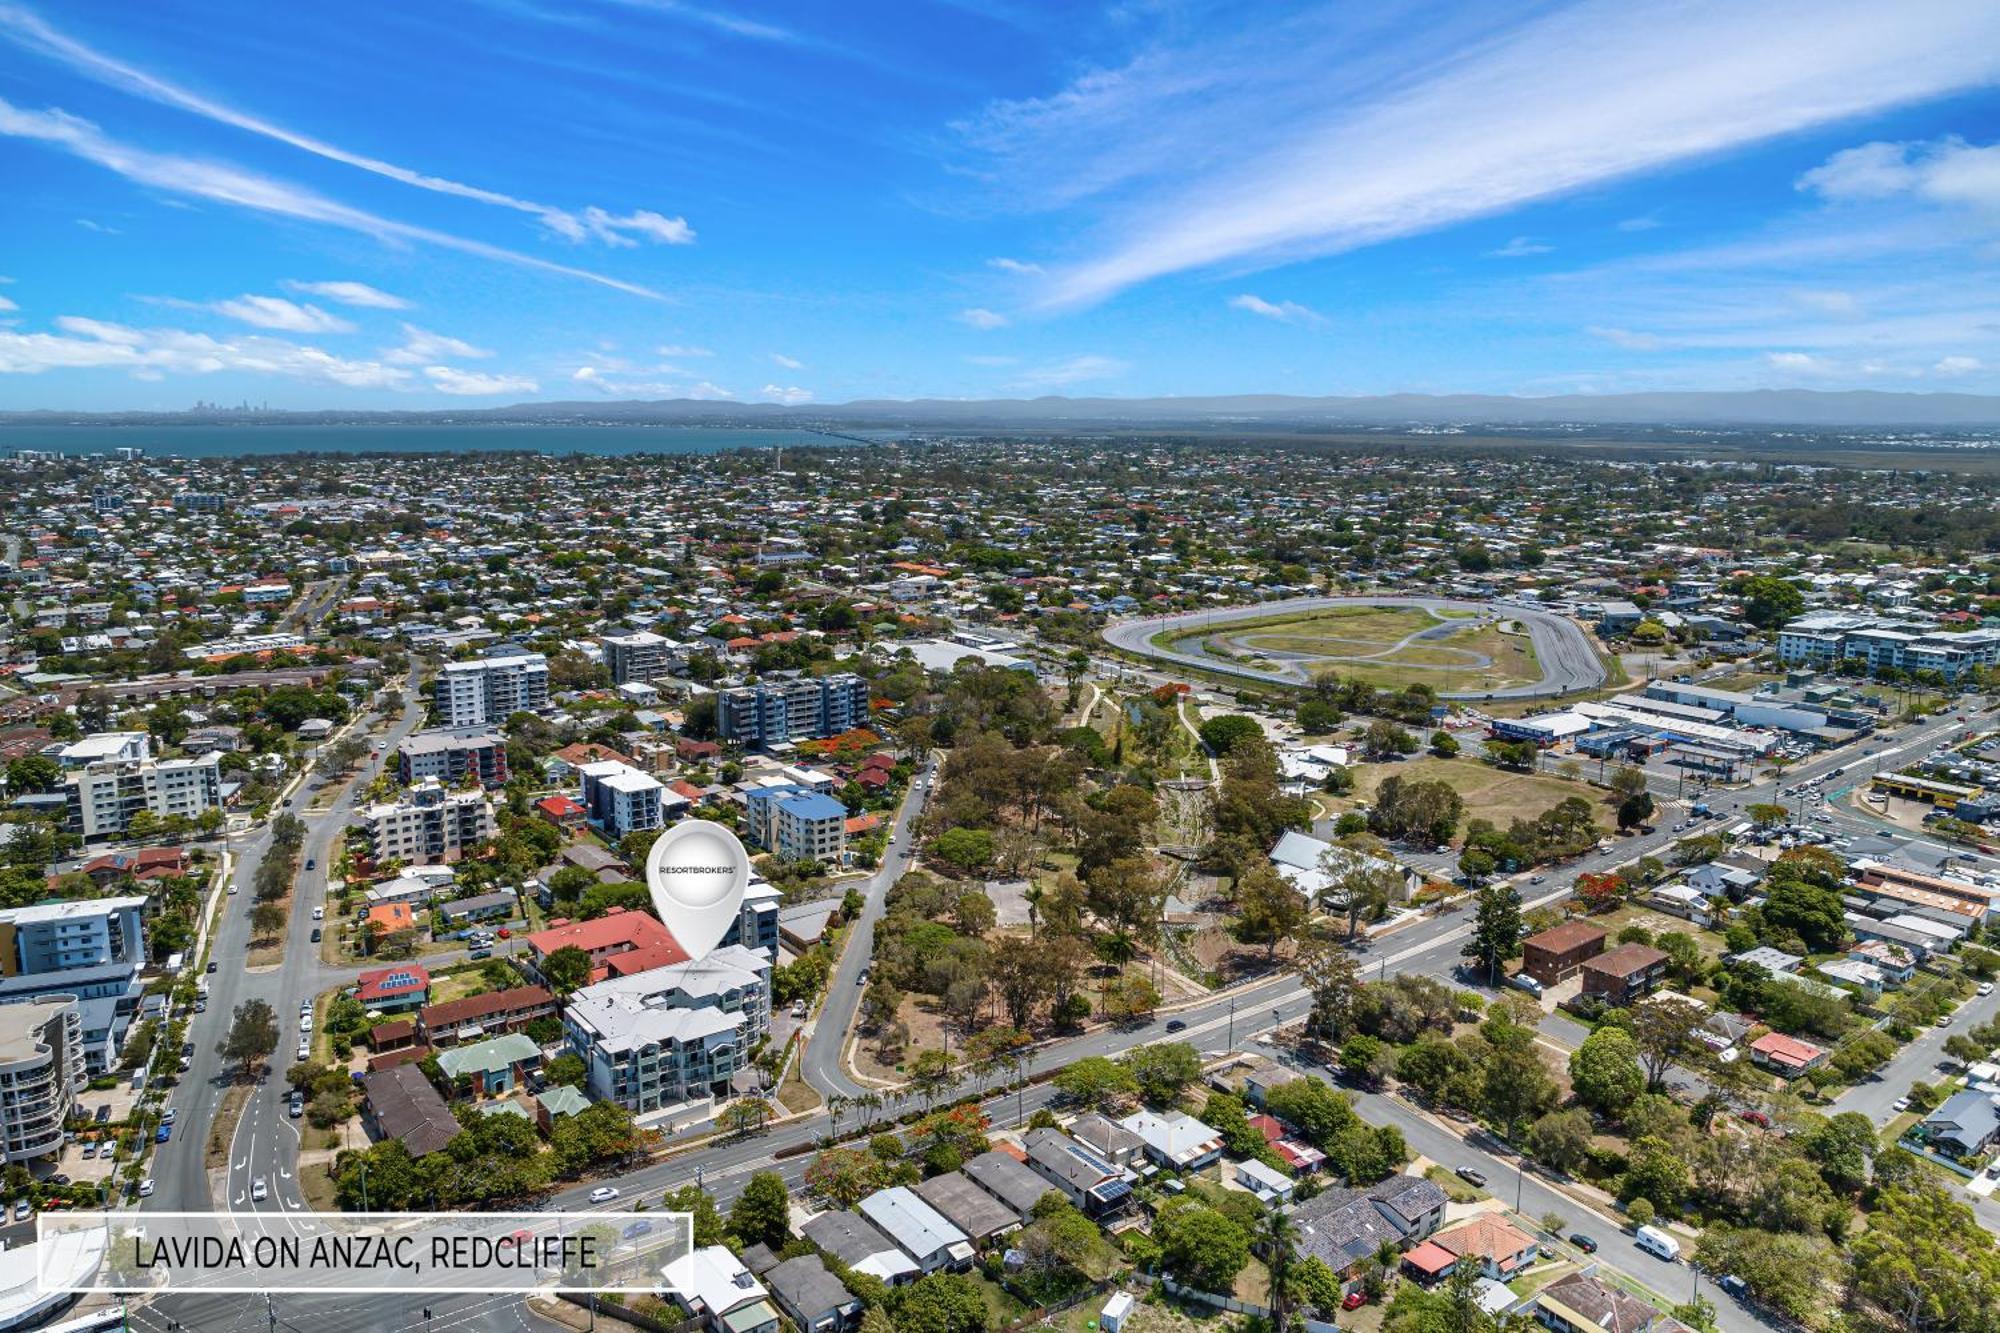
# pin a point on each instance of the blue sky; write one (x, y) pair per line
(399, 205)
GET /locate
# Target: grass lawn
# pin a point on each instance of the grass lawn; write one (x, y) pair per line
(1458, 1191)
(1002, 1309)
(1712, 944)
(1496, 794)
(1374, 644)
(1253, 1284)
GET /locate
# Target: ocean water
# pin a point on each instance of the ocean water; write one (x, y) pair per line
(231, 441)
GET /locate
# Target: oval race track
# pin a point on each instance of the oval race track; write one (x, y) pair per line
(1562, 649)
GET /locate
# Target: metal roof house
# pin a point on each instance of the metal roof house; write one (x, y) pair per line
(856, 1242)
(966, 1206)
(918, 1229)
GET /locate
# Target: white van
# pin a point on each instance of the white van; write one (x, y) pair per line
(1658, 1244)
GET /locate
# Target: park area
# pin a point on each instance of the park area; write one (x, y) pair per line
(1387, 646)
(1498, 795)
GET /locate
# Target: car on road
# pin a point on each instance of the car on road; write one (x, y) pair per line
(604, 1194)
(305, 1048)
(232, 889)
(319, 914)
(1471, 1177)
(1583, 1242)
(316, 937)
(1985, 988)
(305, 1022)
(163, 1133)
(1735, 1286)
(298, 1107)
(1177, 1025)
(211, 966)
(1944, 1021)
(168, 1116)
(257, 1191)
(146, 1188)
(637, 1229)
(311, 864)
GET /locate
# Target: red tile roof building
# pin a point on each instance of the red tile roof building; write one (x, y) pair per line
(616, 932)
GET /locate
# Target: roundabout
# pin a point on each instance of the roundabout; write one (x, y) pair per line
(1464, 650)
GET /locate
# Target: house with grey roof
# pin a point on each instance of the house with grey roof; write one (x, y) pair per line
(1085, 1179)
(815, 1300)
(1108, 1139)
(1965, 1125)
(1344, 1227)
(858, 1243)
(966, 1206)
(918, 1229)
(1008, 1180)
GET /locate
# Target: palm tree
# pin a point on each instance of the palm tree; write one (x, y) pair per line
(1276, 1233)
(1033, 897)
(835, 1104)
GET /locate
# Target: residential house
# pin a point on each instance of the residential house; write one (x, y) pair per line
(1085, 1179)
(495, 1065)
(918, 1229)
(1175, 1139)
(604, 939)
(966, 1206)
(1624, 974)
(1787, 1057)
(1584, 1303)
(1346, 1227)
(1965, 1125)
(1009, 1180)
(712, 1284)
(859, 1244)
(395, 989)
(1496, 1247)
(1108, 1139)
(401, 1104)
(1559, 952)
(815, 1300)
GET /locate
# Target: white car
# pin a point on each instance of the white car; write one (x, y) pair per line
(305, 1022)
(146, 1188)
(319, 914)
(604, 1194)
(305, 1049)
(232, 889)
(257, 1191)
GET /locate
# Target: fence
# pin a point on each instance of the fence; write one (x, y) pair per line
(1036, 1314)
(612, 1310)
(1209, 1298)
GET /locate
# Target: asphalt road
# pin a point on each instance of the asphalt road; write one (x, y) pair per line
(1569, 663)
(821, 1064)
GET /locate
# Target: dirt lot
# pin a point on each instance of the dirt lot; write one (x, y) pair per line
(1496, 794)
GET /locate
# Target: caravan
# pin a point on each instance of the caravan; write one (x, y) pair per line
(1658, 1244)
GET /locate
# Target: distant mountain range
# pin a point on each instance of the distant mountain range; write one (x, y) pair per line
(1859, 409)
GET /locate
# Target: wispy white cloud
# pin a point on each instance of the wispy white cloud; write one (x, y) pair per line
(224, 183)
(348, 293)
(1075, 370)
(472, 383)
(677, 349)
(1285, 312)
(789, 363)
(92, 224)
(1940, 171)
(421, 346)
(1951, 367)
(27, 29)
(718, 19)
(979, 317)
(790, 396)
(275, 312)
(1017, 266)
(1273, 141)
(1644, 222)
(1626, 338)
(1799, 363)
(153, 353)
(1520, 248)
(6, 304)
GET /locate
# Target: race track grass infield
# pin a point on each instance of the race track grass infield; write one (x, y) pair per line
(1461, 652)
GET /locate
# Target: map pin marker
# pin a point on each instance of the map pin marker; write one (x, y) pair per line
(697, 873)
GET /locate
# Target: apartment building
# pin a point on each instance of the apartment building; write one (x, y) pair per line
(797, 823)
(619, 799)
(491, 689)
(1823, 638)
(106, 747)
(804, 708)
(452, 754)
(428, 825)
(104, 796)
(641, 656)
(64, 936)
(41, 1071)
(659, 1039)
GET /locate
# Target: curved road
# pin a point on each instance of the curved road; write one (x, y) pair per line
(1568, 661)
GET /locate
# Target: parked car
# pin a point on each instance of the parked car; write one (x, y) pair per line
(163, 1133)
(1354, 1300)
(22, 1209)
(1735, 1286)
(1583, 1242)
(211, 967)
(298, 1103)
(1472, 1177)
(1757, 1118)
(146, 1188)
(315, 939)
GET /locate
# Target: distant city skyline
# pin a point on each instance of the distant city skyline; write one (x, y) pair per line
(520, 200)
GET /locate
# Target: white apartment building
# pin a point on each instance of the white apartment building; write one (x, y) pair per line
(619, 799)
(105, 747)
(104, 796)
(491, 689)
(41, 1071)
(641, 656)
(430, 824)
(657, 1040)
